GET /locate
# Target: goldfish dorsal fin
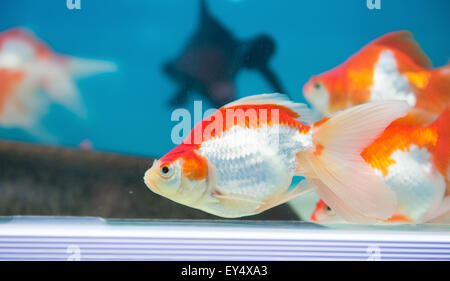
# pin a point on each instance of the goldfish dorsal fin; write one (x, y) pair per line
(404, 42)
(300, 110)
(338, 165)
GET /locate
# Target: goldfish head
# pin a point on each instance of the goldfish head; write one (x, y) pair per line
(180, 176)
(164, 179)
(316, 92)
(324, 214)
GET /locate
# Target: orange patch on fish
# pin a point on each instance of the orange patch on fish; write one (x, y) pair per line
(351, 82)
(378, 154)
(320, 205)
(179, 151)
(399, 218)
(8, 80)
(418, 79)
(321, 121)
(195, 167)
(247, 116)
(319, 149)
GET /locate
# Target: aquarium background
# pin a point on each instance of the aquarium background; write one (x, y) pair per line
(128, 110)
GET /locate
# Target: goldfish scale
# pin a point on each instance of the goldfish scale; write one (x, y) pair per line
(417, 184)
(256, 162)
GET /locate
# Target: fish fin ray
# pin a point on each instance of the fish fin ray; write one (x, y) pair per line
(416, 117)
(302, 188)
(244, 205)
(404, 42)
(339, 165)
(341, 208)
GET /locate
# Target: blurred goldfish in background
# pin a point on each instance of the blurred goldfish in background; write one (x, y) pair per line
(392, 67)
(414, 161)
(323, 214)
(412, 154)
(233, 167)
(31, 74)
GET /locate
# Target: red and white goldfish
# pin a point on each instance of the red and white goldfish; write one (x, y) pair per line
(28, 65)
(392, 67)
(414, 161)
(410, 156)
(241, 160)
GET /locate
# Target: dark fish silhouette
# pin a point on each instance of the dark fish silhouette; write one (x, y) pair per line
(213, 57)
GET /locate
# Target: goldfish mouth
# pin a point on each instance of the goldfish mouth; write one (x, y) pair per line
(150, 183)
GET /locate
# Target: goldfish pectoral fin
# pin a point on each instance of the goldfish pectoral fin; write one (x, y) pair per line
(337, 160)
(238, 203)
(340, 207)
(302, 188)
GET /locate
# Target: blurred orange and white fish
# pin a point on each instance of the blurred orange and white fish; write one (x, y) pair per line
(27, 66)
(414, 161)
(392, 67)
(323, 214)
(241, 160)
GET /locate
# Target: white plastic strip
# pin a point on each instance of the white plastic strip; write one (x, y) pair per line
(60, 238)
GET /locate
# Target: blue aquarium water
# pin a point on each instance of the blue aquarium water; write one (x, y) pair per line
(128, 110)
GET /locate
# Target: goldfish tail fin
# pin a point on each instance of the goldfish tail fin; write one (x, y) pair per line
(80, 67)
(60, 81)
(60, 87)
(341, 176)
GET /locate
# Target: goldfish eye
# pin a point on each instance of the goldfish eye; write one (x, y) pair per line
(329, 211)
(317, 86)
(166, 171)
